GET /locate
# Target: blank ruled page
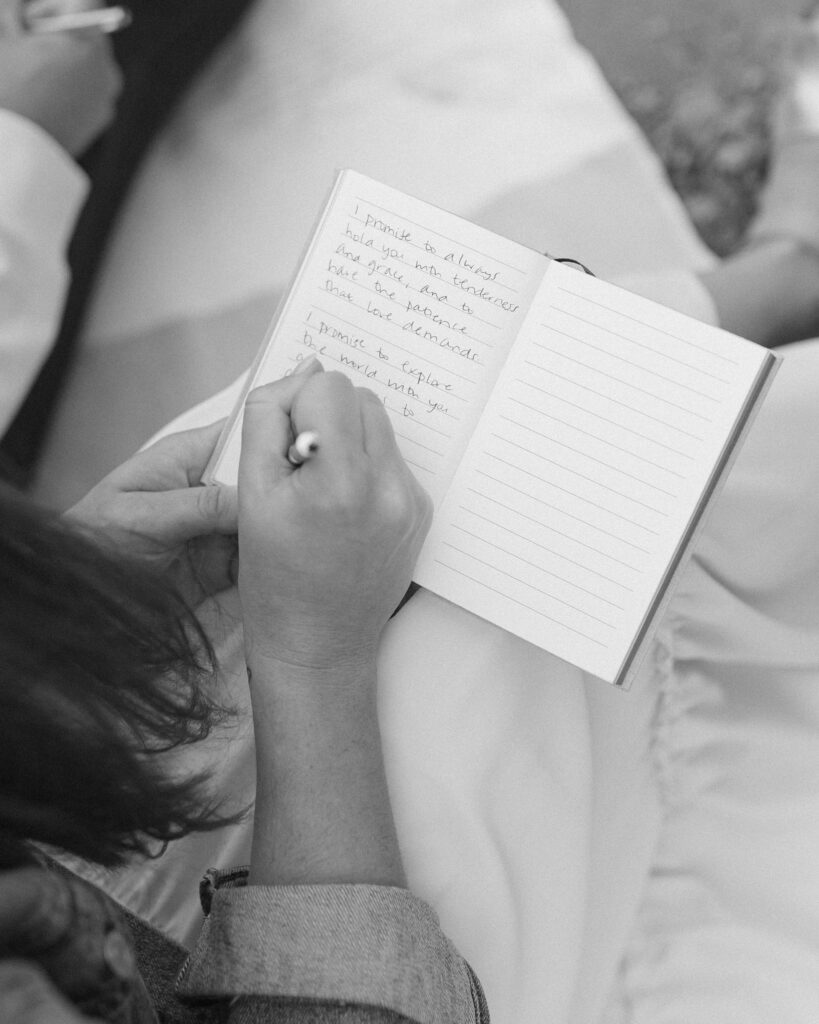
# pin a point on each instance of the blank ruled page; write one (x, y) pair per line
(591, 458)
(415, 303)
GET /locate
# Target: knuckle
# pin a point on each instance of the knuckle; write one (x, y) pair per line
(396, 502)
(335, 379)
(350, 492)
(104, 512)
(330, 386)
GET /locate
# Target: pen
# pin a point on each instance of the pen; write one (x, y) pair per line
(305, 445)
(103, 19)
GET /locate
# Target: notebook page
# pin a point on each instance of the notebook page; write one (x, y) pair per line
(414, 303)
(583, 475)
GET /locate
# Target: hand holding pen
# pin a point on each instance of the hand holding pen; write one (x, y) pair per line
(324, 556)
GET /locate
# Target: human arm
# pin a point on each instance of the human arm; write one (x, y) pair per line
(369, 944)
(327, 553)
(66, 83)
(41, 190)
(326, 901)
(152, 509)
(54, 96)
(768, 292)
(340, 537)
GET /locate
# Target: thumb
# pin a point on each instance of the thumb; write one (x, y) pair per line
(179, 516)
(267, 431)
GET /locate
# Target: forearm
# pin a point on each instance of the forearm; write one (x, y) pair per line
(322, 806)
(768, 293)
(326, 551)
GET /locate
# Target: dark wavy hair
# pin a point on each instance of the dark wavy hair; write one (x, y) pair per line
(101, 671)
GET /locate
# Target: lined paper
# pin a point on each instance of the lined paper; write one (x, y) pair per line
(590, 460)
(412, 302)
(569, 433)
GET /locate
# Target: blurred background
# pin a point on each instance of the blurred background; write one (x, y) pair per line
(699, 77)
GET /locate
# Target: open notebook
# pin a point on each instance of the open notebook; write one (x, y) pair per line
(571, 434)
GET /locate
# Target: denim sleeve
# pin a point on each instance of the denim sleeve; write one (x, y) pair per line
(351, 953)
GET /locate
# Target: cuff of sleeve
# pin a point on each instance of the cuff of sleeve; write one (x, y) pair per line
(361, 944)
(41, 187)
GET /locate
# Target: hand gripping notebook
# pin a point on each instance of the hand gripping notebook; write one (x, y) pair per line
(571, 434)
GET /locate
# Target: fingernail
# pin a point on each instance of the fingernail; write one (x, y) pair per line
(305, 365)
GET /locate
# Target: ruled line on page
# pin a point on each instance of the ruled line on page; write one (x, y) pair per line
(591, 412)
(393, 344)
(574, 494)
(561, 511)
(566, 536)
(414, 440)
(611, 376)
(622, 359)
(417, 423)
(417, 465)
(419, 268)
(436, 298)
(560, 554)
(608, 398)
(597, 437)
(383, 294)
(432, 231)
(538, 590)
(392, 323)
(429, 325)
(545, 547)
(434, 256)
(652, 327)
(412, 245)
(581, 476)
(351, 366)
(372, 272)
(591, 458)
(661, 353)
(540, 568)
(522, 604)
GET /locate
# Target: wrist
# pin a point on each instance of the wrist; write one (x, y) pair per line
(322, 812)
(308, 648)
(314, 672)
